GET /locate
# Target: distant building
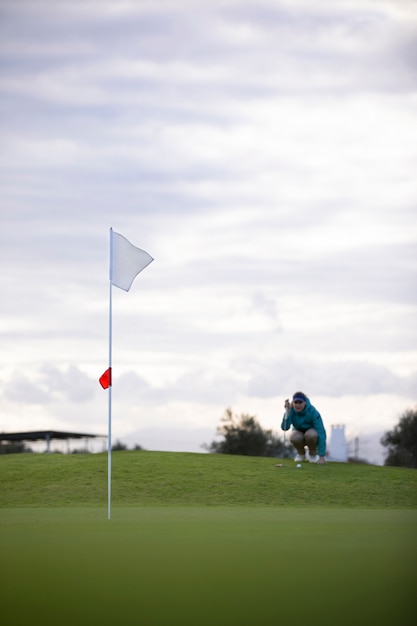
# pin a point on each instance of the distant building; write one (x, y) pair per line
(45, 435)
(338, 450)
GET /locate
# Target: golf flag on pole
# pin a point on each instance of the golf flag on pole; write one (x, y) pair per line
(105, 379)
(126, 262)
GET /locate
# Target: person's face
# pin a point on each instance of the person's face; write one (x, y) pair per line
(298, 405)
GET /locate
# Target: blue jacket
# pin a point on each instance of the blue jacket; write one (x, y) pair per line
(309, 417)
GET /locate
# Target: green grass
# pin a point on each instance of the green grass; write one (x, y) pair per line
(205, 540)
(169, 478)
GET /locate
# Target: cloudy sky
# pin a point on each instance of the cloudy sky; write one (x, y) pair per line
(264, 152)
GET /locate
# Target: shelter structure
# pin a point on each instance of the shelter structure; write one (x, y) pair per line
(47, 436)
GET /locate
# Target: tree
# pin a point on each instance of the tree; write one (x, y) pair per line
(119, 445)
(402, 441)
(244, 435)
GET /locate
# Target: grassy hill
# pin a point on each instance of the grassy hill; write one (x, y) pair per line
(170, 478)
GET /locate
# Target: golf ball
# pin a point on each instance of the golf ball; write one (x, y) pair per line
(298, 464)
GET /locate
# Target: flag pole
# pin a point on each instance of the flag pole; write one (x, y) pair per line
(109, 440)
(126, 261)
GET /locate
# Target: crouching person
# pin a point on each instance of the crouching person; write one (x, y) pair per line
(308, 430)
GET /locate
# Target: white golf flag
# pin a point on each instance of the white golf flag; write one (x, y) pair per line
(126, 261)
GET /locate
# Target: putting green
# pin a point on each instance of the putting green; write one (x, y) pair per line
(208, 566)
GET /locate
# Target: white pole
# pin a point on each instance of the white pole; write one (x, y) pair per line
(109, 441)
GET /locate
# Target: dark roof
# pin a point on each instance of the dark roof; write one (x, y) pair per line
(35, 435)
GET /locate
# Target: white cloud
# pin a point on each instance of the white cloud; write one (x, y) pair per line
(263, 153)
